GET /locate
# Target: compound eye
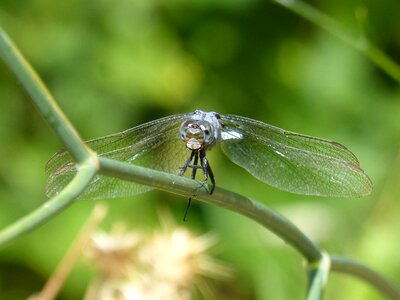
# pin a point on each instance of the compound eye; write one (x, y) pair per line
(188, 123)
(208, 131)
(184, 127)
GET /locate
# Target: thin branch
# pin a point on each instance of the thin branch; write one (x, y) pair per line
(360, 43)
(87, 162)
(42, 98)
(349, 266)
(317, 277)
(86, 172)
(270, 219)
(227, 199)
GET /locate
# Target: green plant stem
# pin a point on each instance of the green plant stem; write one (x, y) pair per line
(254, 210)
(345, 265)
(360, 43)
(86, 172)
(317, 277)
(42, 98)
(232, 201)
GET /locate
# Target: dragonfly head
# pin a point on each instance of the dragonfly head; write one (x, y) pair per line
(196, 134)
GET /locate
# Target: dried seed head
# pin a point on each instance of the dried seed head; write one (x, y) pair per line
(113, 253)
(168, 265)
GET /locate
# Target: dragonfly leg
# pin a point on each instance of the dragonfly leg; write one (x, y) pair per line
(212, 178)
(206, 171)
(187, 164)
(195, 166)
(193, 176)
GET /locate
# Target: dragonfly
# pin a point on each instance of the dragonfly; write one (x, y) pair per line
(283, 159)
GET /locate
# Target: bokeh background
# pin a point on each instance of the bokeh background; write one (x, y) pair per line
(112, 65)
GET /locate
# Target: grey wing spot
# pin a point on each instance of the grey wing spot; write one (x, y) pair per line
(230, 134)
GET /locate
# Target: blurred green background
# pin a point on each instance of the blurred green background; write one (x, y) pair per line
(112, 65)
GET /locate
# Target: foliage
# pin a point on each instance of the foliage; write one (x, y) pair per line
(112, 66)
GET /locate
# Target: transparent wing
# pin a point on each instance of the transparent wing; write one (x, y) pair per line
(293, 162)
(153, 145)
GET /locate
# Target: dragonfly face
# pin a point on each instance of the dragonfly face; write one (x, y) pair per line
(202, 131)
(196, 134)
